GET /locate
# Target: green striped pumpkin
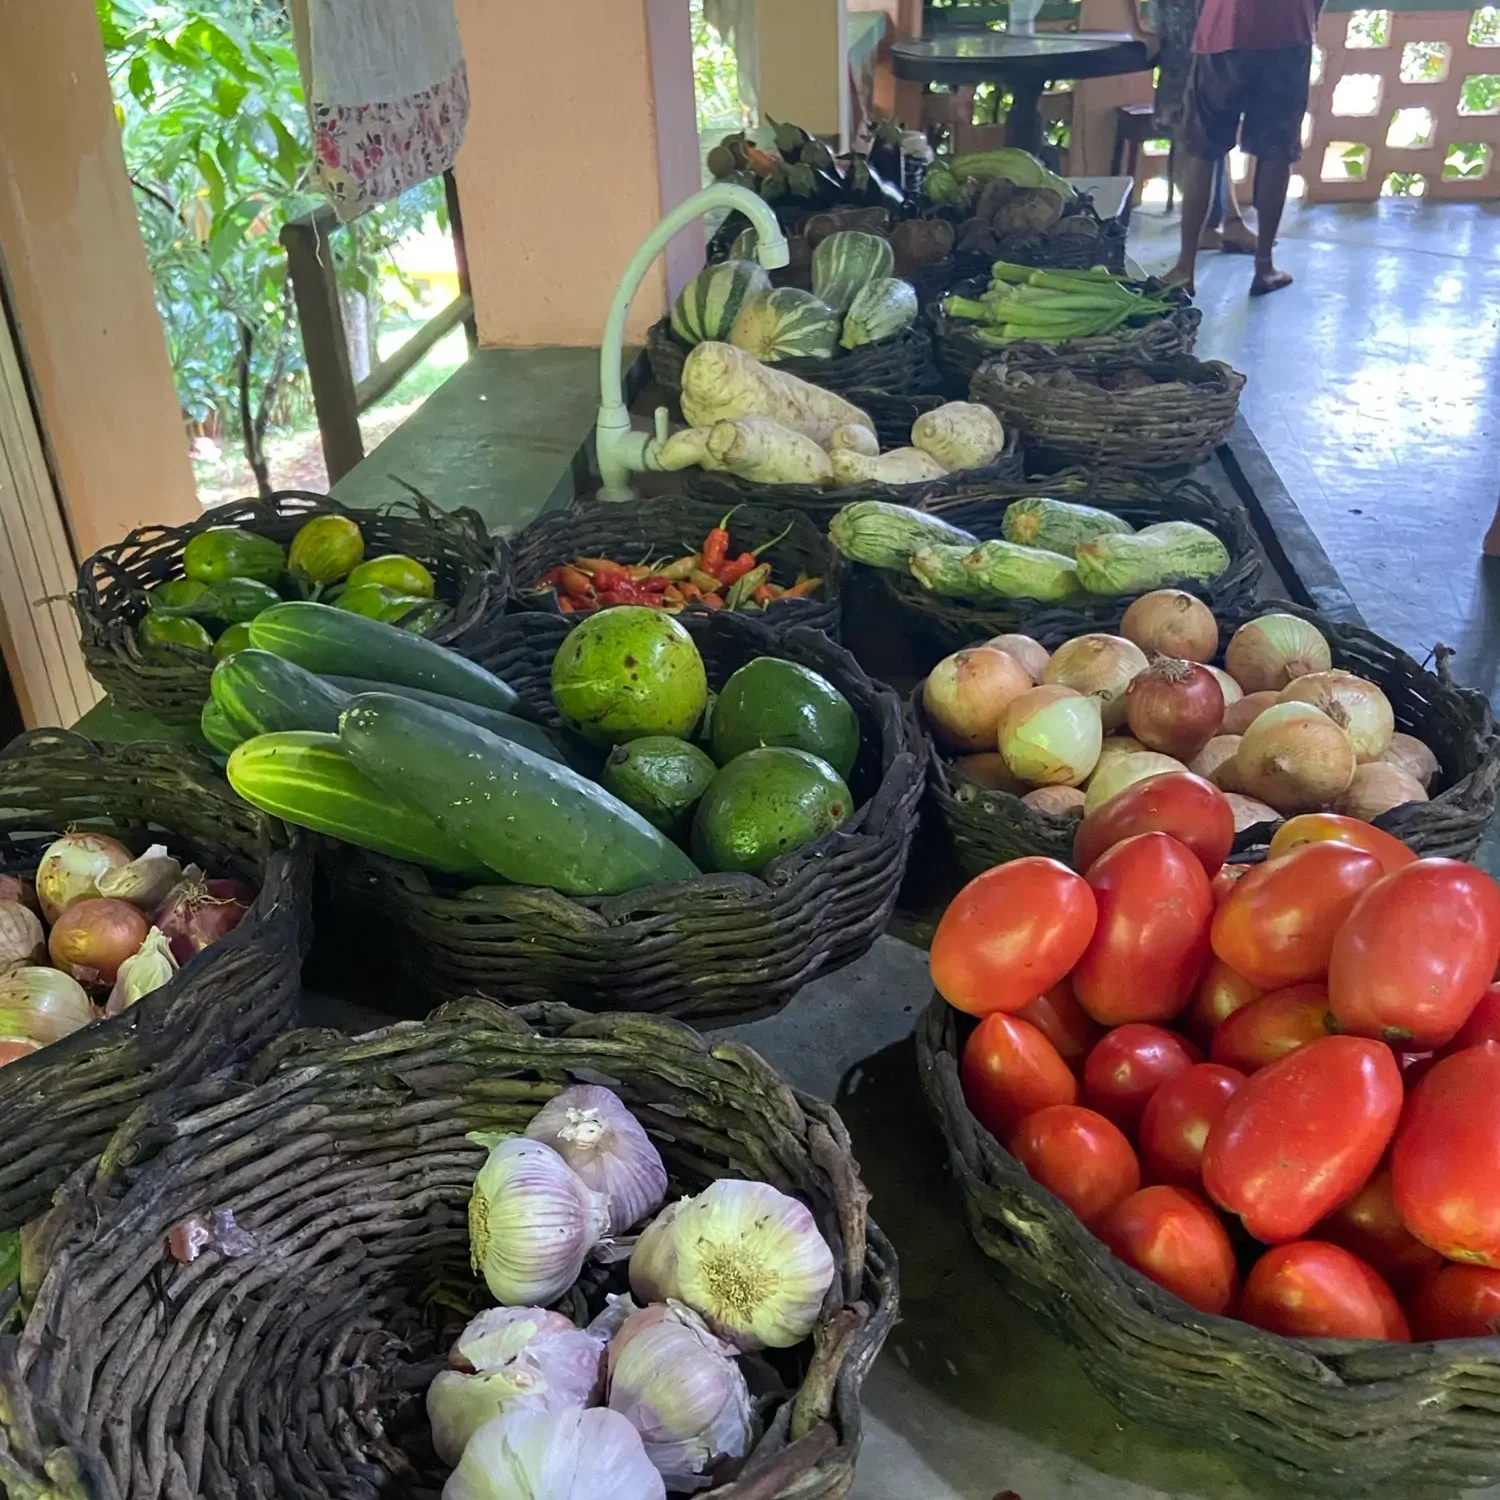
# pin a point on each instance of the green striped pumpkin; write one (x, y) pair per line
(786, 324)
(708, 305)
(847, 261)
(881, 309)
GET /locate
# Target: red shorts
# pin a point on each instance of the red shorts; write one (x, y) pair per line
(1255, 99)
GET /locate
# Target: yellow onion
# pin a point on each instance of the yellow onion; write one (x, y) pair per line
(1231, 690)
(1295, 758)
(965, 694)
(1220, 749)
(1171, 622)
(93, 937)
(989, 770)
(42, 1004)
(1050, 736)
(1031, 654)
(1409, 754)
(747, 1258)
(577, 1453)
(22, 937)
(1122, 771)
(1248, 812)
(1376, 788)
(71, 867)
(1356, 705)
(1099, 666)
(13, 1048)
(1274, 650)
(1117, 744)
(18, 888)
(1060, 801)
(1244, 711)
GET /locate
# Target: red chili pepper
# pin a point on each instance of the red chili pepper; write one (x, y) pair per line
(732, 572)
(608, 575)
(711, 601)
(565, 605)
(553, 577)
(716, 544)
(655, 585)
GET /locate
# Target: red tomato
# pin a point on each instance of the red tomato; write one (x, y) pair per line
(1483, 1024)
(1367, 1225)
(1176, 1239)
(1010, 935)
(1302, 1135)
(1272, 1026)
(1220, 993)
(1416, 954)
(1322, 827)
(1079, 1156)
(1312, 1290)
(1456, 1302)
(1278, 924)
(1010, 1070)
(1444, 1164)
(1226, 880)
(1194, 811)
(1064, 1022)
(1129, 1065)
(1150, 946)
(1178, 1117)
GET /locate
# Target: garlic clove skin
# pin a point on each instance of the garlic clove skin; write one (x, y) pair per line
(148, 968)
(654, 1260)
(145, 882)
(500, 1333)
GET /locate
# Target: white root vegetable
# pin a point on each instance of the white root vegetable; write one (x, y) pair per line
(720, 383)
(766, 452)
(850, 437)
(899, 466)
(685, 450)
(960, 435)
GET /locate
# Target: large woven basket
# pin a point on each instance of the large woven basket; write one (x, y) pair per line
(720, 947)
(896, 365)
(1174, 423)
(938, 625)
(671, 526)
(960, 351)
(989, 827)
(172, 682)
(298, 1369)
(59, 1105)
(1351, 1418)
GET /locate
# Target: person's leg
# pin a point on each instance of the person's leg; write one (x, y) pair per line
(1492, 536)
(1211, 238)
(1277, 102)
(1197, 189)
(1211, 121)
(1239, 238)
(1271, 179)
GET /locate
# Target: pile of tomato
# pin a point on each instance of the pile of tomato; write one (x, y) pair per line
(1273, 1089)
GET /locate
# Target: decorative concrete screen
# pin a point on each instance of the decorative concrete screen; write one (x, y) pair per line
(1406, 102)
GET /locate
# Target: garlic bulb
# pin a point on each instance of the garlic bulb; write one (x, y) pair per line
(23, 940)
(145, 881)
(532, 1222)
(748, 1258)
(147, 969)
(509, 1358)
(593, 1131)
(653, 1258)
(555, 1455)
(680, 1388)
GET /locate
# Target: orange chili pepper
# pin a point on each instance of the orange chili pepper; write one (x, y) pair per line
(565, 604)
(711, 601)
(691, 592)
(766, 593)
(802, 588)
(576, 582)
(716, 543)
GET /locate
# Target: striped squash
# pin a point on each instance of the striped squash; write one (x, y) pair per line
(847, 261)
(881, 309)
(708, 305)
(787, 323)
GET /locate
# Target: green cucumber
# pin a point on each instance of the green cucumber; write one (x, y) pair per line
(261, 693)
(305, 778)
(217, 729)
(507, 726)
(529, 820)
(333, 641)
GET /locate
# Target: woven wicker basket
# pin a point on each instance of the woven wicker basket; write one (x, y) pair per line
(1174, 423)
(1328, 1416)
(937, 625)
(173, 681)
(59, 1105)
(989, 827)
(960, 352)
(896, 365)
(670, 526)
(298, 1369)
(719, 946)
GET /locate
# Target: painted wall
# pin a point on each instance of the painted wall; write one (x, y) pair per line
(804, 72)
(71, 252)
(581, 130)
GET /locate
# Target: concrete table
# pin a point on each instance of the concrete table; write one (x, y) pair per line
(1023, 64)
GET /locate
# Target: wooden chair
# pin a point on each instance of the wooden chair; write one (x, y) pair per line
(1134, 125)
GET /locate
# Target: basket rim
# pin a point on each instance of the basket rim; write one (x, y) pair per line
(900, 341)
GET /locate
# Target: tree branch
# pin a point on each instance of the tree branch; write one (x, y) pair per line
(157, 194)
(253, 450)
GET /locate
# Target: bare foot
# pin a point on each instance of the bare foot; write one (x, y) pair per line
(1211, 239)
(1269, 279)
(1180, 275)
(1238, 237)
(1492, 538)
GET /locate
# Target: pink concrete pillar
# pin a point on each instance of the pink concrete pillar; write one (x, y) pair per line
(582, 132)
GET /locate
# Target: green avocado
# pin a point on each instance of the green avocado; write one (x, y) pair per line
(764, 804)
(660, 776)
(774, 702)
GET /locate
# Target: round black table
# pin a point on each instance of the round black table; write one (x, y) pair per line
(1024, 64)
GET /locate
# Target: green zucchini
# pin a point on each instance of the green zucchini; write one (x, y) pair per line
(261, 693)
(529, 820)
(1153, 557)
(882, 535)
(333, 641)
(1058, 525)
(306, 778)
(995, 570)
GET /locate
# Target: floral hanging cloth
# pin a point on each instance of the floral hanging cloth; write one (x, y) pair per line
(386, 92)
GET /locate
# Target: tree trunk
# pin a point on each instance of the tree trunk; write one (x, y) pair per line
(359, 333)
(252, 432)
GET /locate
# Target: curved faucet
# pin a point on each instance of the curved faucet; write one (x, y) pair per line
(619, 448)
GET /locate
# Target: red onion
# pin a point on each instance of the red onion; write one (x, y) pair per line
(1174, 707)
(197, 913)
(93, 938)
